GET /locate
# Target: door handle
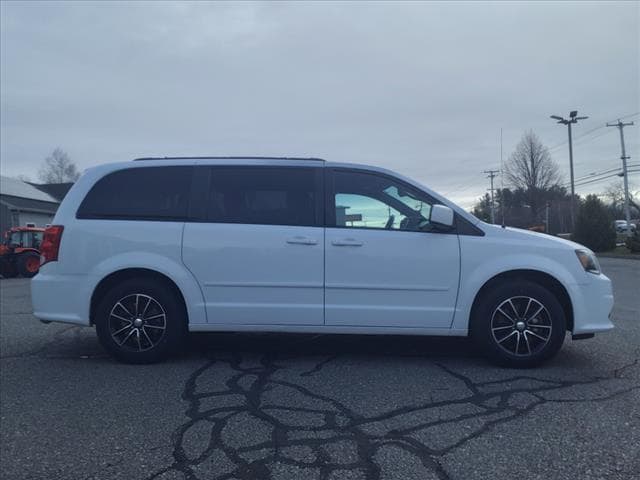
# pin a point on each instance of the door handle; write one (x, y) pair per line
(347, 242)
(302, 241)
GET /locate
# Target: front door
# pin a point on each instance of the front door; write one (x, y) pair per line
(385, 265)
(257, 247)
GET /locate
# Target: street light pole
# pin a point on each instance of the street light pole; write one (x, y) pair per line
(573, 118)
(572, 204)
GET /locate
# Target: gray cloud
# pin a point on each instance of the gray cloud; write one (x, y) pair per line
(422, 88)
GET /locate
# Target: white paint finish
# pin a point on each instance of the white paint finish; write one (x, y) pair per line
(255, 274)
(441, 215)
(390, 278)
(383, 282)
(60, 298)
(93, 249)
(506, 249)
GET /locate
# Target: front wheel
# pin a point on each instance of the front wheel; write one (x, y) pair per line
(140, 320)
(518, 324)
(28, 264)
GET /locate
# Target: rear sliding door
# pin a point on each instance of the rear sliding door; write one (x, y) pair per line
(255, 244)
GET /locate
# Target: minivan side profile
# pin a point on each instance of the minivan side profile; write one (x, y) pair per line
(149, 250)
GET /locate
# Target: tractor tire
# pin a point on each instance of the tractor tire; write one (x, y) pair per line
(28, 264)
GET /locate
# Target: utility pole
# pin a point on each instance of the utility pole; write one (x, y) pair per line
(546, 218)
(491, 175)
(624, 158)
(573, 118)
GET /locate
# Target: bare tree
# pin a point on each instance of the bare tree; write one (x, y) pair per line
(58, 168)
(615, 194)
(531, 169)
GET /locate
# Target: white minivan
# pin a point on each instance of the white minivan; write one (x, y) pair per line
(151, 249)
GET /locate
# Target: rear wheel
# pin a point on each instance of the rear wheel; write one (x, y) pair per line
(519, 324)
(28, 264)
(141, 320)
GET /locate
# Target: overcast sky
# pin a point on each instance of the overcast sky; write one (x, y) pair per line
(421, 88)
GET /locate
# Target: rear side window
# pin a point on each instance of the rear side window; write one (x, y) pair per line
(148, 193)
(265, 195)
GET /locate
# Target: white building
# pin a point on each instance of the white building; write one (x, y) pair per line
(22, 203)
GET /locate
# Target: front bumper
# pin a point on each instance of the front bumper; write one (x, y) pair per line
(592, 305)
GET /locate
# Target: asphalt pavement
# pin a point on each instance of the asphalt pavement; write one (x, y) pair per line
(317, 407)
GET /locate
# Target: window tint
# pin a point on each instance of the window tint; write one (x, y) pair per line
(362, 211)
(148, 193)
(16, 238)
(264, 195)
(366, 200)
(32, 239)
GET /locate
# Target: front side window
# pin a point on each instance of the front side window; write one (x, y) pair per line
(367, 200)
(264, 196)
(16, 238)
(148, 193)
(32, 239)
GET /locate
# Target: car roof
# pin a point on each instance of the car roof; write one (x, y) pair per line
(258, 160)
(227, 158)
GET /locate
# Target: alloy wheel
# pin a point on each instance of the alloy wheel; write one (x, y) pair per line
(137, 322)
(521, 326)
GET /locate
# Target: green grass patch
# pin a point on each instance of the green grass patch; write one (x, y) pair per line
(620, 252)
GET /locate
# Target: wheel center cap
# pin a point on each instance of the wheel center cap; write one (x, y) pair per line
(137, 322)
(520, 326)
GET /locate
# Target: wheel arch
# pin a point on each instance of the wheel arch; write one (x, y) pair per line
(541, 278)
(119, 276)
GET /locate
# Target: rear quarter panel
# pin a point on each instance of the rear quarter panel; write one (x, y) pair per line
(94, 249)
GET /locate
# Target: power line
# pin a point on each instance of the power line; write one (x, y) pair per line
(555, 147)
(596, 180)
(589, 132)
(593, 174)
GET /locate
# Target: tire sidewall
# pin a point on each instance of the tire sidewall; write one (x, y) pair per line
(481, 323)
(22, 264)
(175, 320)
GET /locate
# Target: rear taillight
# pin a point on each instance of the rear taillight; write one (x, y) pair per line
(50, 244)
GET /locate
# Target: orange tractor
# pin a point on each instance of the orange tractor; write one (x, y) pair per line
(20, 251)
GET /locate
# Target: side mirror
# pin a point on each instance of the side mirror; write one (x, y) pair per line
(441, 215)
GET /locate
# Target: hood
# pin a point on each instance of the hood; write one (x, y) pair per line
(534, 237)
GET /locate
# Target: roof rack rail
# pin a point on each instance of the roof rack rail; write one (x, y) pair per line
(228, 158)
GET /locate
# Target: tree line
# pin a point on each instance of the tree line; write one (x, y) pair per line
(537, 198)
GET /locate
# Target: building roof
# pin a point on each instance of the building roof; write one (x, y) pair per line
(56, 190)
(18, 188)
(28, 204)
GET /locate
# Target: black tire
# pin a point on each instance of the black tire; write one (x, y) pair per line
(146, 341)
(504, 309)
(28, 264)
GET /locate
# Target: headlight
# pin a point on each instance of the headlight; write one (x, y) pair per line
(589, 261)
